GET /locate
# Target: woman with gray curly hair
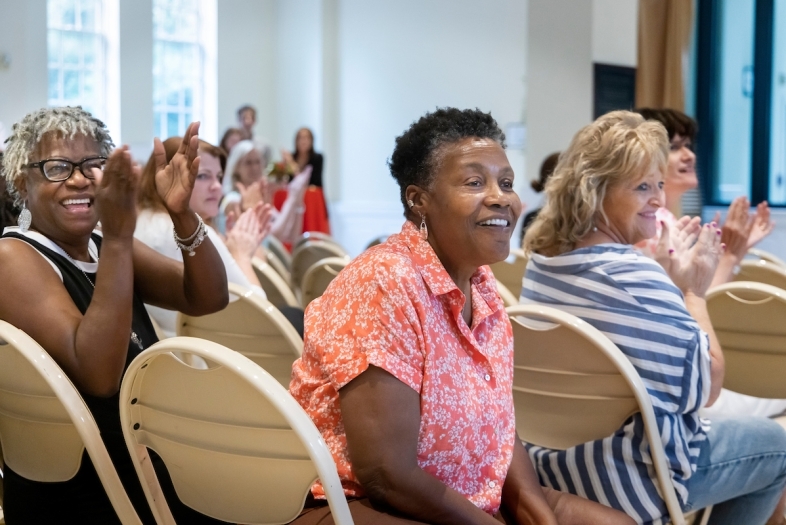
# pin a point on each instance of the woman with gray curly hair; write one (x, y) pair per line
(89, 315)
(601, 201)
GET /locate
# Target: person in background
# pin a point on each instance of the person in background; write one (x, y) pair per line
(79, 292)
(231, 137)
(154, 226)
(741, 231)
(246, 120)
(245, 185)
(601, 200)
(546, 169)
(407, 365)
(316, 215)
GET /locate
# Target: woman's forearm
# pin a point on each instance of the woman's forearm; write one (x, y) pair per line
(204, 278)
(724, 273)
(697, 306)
(102, 337)
(522, 495)
(422, 497)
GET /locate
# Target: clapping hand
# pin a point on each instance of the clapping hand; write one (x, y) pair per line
(115, 196)
(252, 194)
(249, 231)
(175, 180)
(762, 225)
(691, 267)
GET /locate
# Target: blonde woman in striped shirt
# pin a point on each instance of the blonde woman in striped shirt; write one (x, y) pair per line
(601, 201)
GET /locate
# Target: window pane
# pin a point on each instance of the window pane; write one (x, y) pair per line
(70, 86)
(172, 128)
(177, 64)
(735, 108)
(70, 46)
(77, 47)
(778, 109)
(54, 84)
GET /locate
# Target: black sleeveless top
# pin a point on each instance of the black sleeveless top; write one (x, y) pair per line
(82, 499)
(31, 502)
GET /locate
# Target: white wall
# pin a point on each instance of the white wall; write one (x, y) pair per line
(559, 76)
(23, 86)
(136, 77)
(615, 32)
(400, 59)
(247, 63)
(299, 70)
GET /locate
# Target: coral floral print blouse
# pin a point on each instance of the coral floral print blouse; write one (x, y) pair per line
(395, 307)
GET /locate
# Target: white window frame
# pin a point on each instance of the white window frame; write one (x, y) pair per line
(205, 95)
(107, 107)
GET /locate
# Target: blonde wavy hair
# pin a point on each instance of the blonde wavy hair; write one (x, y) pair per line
(619, 146)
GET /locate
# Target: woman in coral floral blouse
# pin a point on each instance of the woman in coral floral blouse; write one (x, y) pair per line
(408, 362)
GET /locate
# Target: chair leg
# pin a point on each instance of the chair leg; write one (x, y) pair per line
(705, 515)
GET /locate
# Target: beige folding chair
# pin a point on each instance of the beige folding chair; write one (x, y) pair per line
(318, 277)
(749, 319)
(378, 240)
(572, 385)
(237, 446)
(252, 326)
(278, 292)
(508, 299)
(315, 236)
(762, 271)
(767, 256)
(280, 268)
(45, 426)
(511, 274)
(159, 331)
(280, 251)
(307, 254)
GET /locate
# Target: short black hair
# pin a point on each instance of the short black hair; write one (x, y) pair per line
(415, 158)
(675, 122)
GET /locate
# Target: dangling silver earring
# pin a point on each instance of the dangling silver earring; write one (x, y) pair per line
(423, 227)
(25, 218)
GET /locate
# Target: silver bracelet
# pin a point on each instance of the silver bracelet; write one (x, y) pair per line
(195, 239)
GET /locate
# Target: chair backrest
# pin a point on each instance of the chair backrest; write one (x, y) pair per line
(508, 299)
(280, 268)
(572, 385)
(749, 319)
(280, 251)
(238, 447)
(377, 240)
(307, 254)
(45, 425)
(278, 292)
(762, 271)
(315, 236)
(318, 277)
(767, 256)
(252, 326)
(511, 274)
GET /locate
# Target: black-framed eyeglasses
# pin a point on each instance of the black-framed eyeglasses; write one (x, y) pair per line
(59, 170)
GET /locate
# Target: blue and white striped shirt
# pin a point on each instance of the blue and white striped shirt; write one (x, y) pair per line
(631, 299)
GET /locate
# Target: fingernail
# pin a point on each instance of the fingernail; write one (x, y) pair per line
(718, 231)
(662, 223)
(714, 225)
(671, 250)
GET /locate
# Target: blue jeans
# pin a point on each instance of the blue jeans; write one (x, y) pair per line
(741, 470)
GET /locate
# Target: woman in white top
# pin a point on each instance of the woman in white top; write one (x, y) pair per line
(154, 226)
